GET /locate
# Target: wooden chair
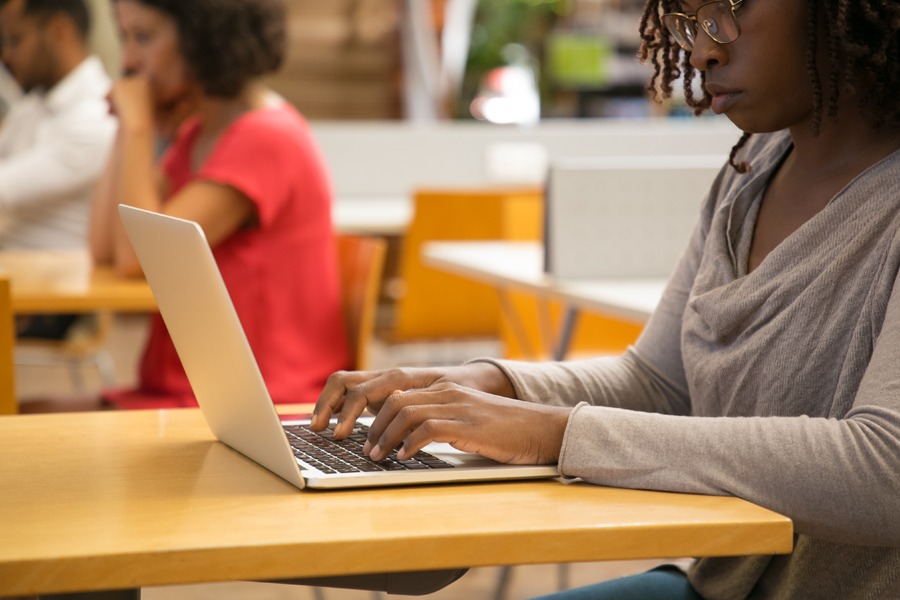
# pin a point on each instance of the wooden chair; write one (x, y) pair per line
(84, 346)
(8, 404)
(361, 263)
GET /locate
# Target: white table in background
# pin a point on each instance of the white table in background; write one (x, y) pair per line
(519, 267)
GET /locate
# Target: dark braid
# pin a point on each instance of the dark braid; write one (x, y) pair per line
(834, 56)
(656, 49)
(862, 40)
(698, 104)
(811, 49)
(739, 166)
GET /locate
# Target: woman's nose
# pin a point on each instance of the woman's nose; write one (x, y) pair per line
(707, 52)
(130, 61)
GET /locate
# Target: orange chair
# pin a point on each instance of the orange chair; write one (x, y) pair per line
(431, 304)
(361, 263)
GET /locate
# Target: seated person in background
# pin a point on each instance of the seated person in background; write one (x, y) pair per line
(771, 368)
(245, 167)
(55, 138)
(10, 92)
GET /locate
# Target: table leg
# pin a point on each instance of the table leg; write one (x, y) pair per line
(570, 319)
(514, 320)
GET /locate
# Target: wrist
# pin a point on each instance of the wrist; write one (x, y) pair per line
(487, 376)
(137, 128)
(557, 421)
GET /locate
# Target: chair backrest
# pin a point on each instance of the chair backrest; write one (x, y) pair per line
(433, 304)
(361, 263)
(8, 403)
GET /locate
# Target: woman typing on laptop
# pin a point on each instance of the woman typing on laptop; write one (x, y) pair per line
(243, 165)
(770, 369)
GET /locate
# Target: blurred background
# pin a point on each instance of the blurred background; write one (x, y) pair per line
(425, 60)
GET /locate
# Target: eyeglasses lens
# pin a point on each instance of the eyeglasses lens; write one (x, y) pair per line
(717, 20)
(683, 30)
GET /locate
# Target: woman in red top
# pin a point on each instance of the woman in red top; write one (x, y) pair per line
(244, 165)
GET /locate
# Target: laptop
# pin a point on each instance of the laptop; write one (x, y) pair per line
(194, 303)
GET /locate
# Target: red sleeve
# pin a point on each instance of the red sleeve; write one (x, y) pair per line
(253, 156)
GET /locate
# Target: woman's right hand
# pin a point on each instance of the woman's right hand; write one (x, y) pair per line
(348, 393)
(132, 103)
(131, 99)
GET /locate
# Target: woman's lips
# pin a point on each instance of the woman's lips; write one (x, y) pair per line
(722, 100)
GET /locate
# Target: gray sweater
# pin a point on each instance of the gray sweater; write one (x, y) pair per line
(781, 386)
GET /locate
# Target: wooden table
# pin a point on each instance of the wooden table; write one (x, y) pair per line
(110, 500)
(519, 266)
(65, 281)
(105, 291)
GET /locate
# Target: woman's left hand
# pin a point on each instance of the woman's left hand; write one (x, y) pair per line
(508, 431)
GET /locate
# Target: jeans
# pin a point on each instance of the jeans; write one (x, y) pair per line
(661, 583)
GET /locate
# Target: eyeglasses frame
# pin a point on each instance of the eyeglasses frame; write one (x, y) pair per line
(734, 5)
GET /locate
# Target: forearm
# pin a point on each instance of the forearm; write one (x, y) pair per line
(133, 183)
(624, 382)
(103, 209)
(838, 480)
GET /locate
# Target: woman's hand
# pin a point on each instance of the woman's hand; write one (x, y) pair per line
(505, 430)
(348, 393)
(132, 103)
(467, 406)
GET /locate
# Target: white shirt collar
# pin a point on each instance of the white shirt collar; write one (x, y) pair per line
(87, 76)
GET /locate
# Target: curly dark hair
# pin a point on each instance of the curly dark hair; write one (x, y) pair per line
(226, 43)
(863, 44)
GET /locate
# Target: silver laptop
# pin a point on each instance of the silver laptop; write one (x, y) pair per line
(195, 305)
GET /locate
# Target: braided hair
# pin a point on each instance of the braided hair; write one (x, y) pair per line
(862, 39)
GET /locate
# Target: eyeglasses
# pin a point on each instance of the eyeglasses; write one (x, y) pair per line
(715, 18)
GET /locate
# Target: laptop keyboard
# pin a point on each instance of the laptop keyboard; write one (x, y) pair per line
(322, 451)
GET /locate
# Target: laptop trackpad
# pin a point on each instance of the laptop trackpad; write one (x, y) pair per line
(449, 454)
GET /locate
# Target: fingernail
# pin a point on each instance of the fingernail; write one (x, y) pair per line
(376, 451)
(367, 448)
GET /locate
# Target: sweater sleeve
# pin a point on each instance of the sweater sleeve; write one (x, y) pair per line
(837, 479)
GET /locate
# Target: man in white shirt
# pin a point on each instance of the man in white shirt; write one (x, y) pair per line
(55, 140)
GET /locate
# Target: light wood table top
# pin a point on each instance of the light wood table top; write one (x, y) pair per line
(520, 266)
(64, 281)
(104, 291)
(109, 500)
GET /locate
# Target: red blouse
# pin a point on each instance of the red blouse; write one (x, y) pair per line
(281, 273)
